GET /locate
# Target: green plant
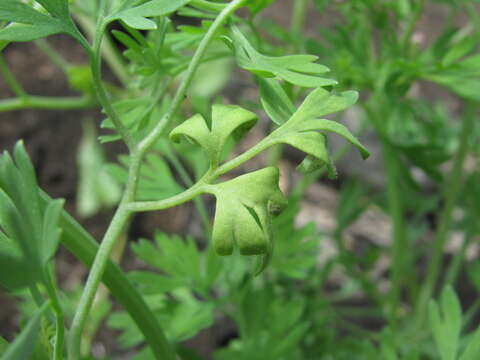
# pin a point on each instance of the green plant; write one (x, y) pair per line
(169, 105)
(245, 204)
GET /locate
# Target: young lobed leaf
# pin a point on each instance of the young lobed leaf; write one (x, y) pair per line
(302, 129)
(243, 213)
(226, 120)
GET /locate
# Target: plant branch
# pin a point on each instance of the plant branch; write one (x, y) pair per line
(108, 49)
(187, 195)
(103, 98)
(47, 103)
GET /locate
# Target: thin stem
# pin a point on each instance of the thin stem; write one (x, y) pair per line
(10, 79)
(166, 120)
(109, 51)
(47, 103)
(101, 297)
(451, 192)
(101, 259)
(187, 195)
(59, 344)
(247, 155)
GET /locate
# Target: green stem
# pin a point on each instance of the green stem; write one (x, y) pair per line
(451, 192)
(187, 195)
(396, 208)
(103, 98)
(84, 247)
(59, 344)
(108, 49)
(98, 268)
(10, 79)
(47, 103)
(247, 155)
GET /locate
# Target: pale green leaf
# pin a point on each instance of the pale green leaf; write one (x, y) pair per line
(243, 213)
(226, 120)
(302, 129)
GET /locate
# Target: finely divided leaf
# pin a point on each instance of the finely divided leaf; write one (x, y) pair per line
(28, 24)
